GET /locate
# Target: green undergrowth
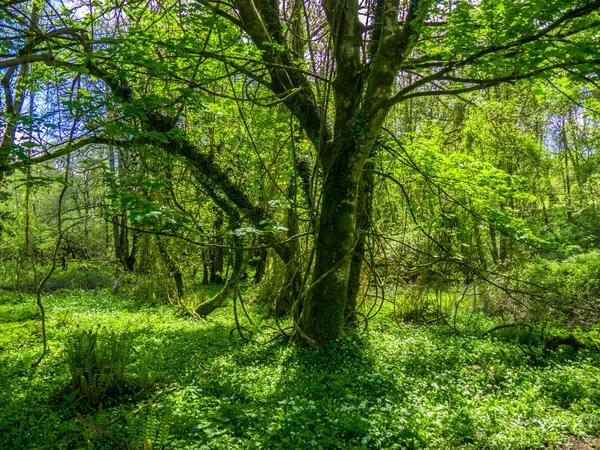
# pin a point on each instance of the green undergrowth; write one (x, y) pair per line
(396, 386)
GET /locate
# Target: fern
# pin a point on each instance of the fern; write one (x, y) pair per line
(98, 364)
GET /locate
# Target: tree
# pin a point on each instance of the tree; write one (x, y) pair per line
(415, 49)
(339, 67)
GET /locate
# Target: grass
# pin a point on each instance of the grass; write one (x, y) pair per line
(396, 386)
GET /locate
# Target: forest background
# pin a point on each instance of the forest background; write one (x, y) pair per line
(400, 188)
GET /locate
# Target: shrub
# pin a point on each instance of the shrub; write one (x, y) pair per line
(569, 385)
(98, 364)
(149, 289)
(570, 287)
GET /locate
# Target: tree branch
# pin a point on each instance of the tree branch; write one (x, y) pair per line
(450, 67)
(24, 60)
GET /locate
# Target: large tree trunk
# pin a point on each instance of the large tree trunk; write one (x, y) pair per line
(363, 225)
(324, 308)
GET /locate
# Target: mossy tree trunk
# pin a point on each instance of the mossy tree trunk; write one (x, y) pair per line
(325, 305)
(363, 225)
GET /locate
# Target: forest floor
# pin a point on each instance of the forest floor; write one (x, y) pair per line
(196, 384)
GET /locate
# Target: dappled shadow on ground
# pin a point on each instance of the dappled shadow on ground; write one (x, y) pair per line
(409, 386)
(396, 386)
(35, 406)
